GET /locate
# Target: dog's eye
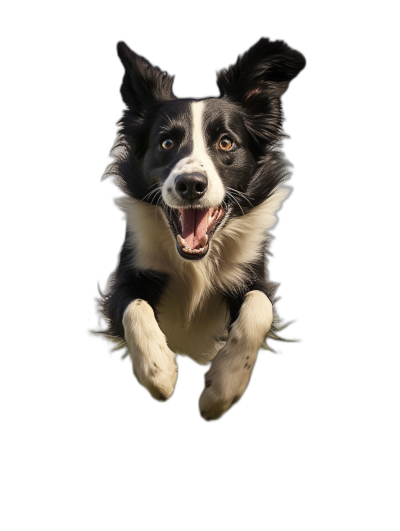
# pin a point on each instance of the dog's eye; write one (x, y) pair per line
(225, 143)
(167, 144)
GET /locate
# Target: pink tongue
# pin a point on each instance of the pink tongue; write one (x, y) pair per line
(194, 226)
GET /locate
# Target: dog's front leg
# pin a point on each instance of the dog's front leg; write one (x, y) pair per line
(230, 371)
(153, 362)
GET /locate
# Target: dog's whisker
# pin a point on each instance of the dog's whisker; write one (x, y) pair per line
(147, 196)
(237, 202)
(155, 192)
(157, 206)
(154, 197)
(169, 120)
(240, 194)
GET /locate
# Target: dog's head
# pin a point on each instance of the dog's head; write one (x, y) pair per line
(204, 161)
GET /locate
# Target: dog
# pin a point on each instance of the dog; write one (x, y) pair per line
(203, 181)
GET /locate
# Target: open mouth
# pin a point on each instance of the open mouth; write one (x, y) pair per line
(194, 229)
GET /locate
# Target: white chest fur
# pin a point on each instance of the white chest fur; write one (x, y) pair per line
(192, 313)
(200, 336)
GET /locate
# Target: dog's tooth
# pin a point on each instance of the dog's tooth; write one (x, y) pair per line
(212, 218)
(203, 240)
(195, 251)
(181, 241)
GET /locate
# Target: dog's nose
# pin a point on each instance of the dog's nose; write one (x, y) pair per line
(191, 185)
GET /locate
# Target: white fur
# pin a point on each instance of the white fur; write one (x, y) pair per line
(191, 311)
(198, 161)
(230, 371)
(153, 362)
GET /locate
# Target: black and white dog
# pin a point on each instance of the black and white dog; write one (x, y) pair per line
(203, 181)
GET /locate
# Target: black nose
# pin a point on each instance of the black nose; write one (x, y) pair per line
(191, 185)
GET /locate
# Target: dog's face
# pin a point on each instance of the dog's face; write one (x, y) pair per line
(204, 161)
(198, 157)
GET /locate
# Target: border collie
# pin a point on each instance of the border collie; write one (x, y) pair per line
(203, 182)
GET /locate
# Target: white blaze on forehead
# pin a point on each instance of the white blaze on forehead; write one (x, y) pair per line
(198, 161)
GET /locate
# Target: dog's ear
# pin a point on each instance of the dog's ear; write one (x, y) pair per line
(143, 84)
(263, 72)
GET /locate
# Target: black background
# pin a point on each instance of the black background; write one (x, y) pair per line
(92, 404)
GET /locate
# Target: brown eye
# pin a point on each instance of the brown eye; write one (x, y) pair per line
(226, 143)
(167, 144)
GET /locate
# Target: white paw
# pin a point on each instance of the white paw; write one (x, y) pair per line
(226, 381)
(231, 369)
(153, 362)
(156, 370)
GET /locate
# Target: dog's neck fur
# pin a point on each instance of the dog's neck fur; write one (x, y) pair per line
(227, 267)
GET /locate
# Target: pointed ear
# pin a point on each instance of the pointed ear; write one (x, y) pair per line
(143, 84)
(263, 72)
